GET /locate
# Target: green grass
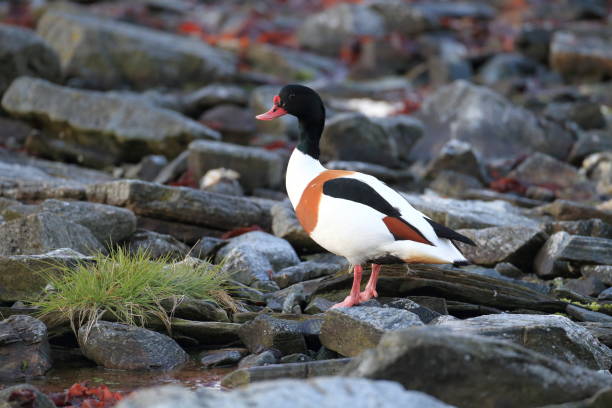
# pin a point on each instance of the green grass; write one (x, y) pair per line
(127, 288)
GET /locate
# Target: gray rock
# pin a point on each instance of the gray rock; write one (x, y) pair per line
(197, 309)
(204, 333)
(119, 346)
(181, 204)
(236, 124)
(148, 168)
(474, 365)
(601, 272)
(489, 122)
(425, 314)
(585, 315)
(602, 331)
(173, 170)
(44, 232)
(325, 392)
(605, 295)
(534, 42)
(552, 335)
(516, 245)
(585, 286)
(507, 66)
(304, 271)
(349, 331)
(457, 156)
(20, 275)
(222, 181)
(213, 95)
(403, 131)
(23, 395)
(109, 54)
(97, 128)
(581, 56)
(24, 348)
(223, 357)
(257, 167)
(598, 168)
(318, 305)
(593, 227)
(264, 332)
(295, 358)
(260, 359)
(563, 254)
(157, 245)
(591, 142)
(564, 210)
(286, 225)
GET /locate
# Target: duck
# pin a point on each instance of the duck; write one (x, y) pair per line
(353, 214)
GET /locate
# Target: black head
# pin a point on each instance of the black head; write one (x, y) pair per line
(299, 101)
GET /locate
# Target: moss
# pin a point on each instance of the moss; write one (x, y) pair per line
(594, 306)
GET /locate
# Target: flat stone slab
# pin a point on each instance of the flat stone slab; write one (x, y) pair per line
(24, 348)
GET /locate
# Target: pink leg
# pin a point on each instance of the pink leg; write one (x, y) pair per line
(353, 298)
(370, 289)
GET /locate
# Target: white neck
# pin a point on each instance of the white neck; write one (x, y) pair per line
(301, 169)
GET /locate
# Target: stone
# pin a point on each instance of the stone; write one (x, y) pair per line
(222, 358)
(598, 167)
(494, 127)
(173, 170)
(21, 275)
(257, 167)
(601, 331)
(44, 232)
(187, 233)
(304, 271)
(581, 56)
(286, 225)
(318, 305)
(516, 245)
(23, 53)
(552, 335)
(156, 245)
(349, 331)
(564, 210)
(563, 254)
(586, 114)
(260, 359)
(452, 184)
(593, 227)
(591, 142)
(14, 133)
(236, 124)
(119, 346)
(96, 128)
(403, 132)
(181, 204)
(508, 66)
(605, 295)
(457, 156)
(147, 58)
(148, 168)
(325, 392)
(265, 332)
(533, 41)
(601, 272)
(474, 365)
(23, 395)
(585, 315)
(425, 314)
(509, 270)
(197, 309)
(222, 181)
(585, 286)
(24, 348)
(212, 95)
(204, 333)
(246, 293)
(295, 358)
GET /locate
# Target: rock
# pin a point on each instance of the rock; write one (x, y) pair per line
(23, 395)
(235, 124)
(349, 331)
(507, 66)
(212, 95)
(148, 168)
(14, 133)
(425, 314)
(244, 292)
(87, 47)
(586, 114)
(173, 170)
(25, 54)
(20, 275)
(591, 142)
(509, 270)
(96, 128)
(565, 210)
(403, 132)
(534, 42)
(601, 272)
(593, 227)
(24, 348)
(286, 225)
(222, 181)
(204, 333)
(197, 309)
(330, 30)
(181, 204)
(605, 295)
(542, 170)
(318, 305)
(585, 315)
(585, 286)
(156, 245)
(552, 335)
(457, 156)
(257, 167)
(598, 168)
(296, 358)
(261, 359)
(119, 346)
(265, 332)
(601, 331)
(326, 392)
(563, 254)
(516, 245)
(44, 232)
(494, 127)
(474, 365)
(452, 184)
(304, 271)
(223, 357)
(107, 223)
(581, 56)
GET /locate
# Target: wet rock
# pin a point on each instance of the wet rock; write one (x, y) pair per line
(349, 331)
(213, 95)
(119, 346)
(96, 128)
(601, 272)
(304, 271)
(286, 225)
(457, 156)
(330, 30)
(20, 275)
(257, 167)
(552, 335)
(44, 232)
(107, 223)
(565, 210)
(564, 254)
(205, 333)
(24, 348)
(516, 245)
(148, 168)
(87, 47)
(593, 227)
(581, 56)
(506, 66)
(490, 123)
(236, 124)
(157, 245)
(181, 204)
(474, 365)
(23, 53)
(598, 167)
(261, 359)
(22, 395)
(265, 332)
(223, 357)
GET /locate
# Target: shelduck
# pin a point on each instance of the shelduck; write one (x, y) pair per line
(352, 214)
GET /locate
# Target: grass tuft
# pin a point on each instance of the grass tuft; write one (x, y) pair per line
(128, 288)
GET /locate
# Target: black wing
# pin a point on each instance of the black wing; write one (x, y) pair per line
(445, 232)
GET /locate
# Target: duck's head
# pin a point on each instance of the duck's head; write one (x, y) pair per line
(297, 100)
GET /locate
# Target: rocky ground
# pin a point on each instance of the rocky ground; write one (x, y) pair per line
(132, 124)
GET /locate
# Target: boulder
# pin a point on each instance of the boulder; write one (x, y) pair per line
(44, 232)
(458, 157)
(585, 286)
(591, 142)
(257, 167)
(286, 225)
(156, 245)
(601, 272)
(212, 95)
(24, 348)
(204, 333)
(564, 254)
(508, 66)
(148, 168)
(23, 53)
(223, 357)
(455, 367)
(593, 227)
(197, 309)
(304, 271)
(105, 53)
(582, 55)
(495, 128)
(119, 346)
(350, 331)
(403, 132)
(96, 128)
(564, 210)
(284, 335)
(23, 395)
(236, 124)
(533, 41)
(264, 358)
